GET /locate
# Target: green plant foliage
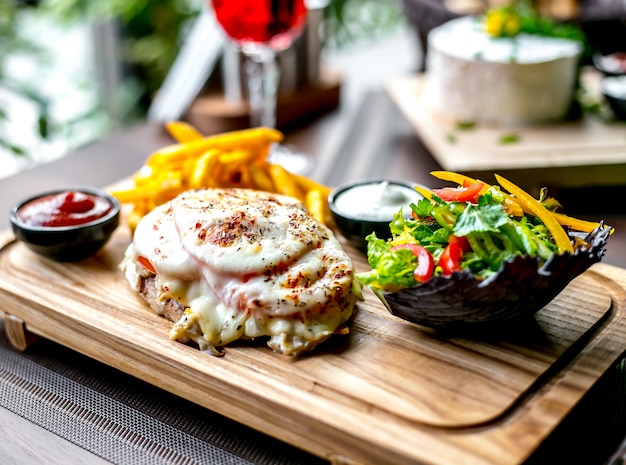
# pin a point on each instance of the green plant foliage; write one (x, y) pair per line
(150, 31)
(12, 42)
(350, 20)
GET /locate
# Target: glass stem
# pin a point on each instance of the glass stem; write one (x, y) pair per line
(263, 75)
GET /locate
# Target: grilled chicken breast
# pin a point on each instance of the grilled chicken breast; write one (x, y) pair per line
(228, 264)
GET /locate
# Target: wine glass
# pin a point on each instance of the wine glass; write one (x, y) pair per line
(261, 29)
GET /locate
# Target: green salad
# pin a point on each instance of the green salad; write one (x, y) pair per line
(474, 227)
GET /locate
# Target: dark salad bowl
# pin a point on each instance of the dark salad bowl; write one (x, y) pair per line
(520, 288)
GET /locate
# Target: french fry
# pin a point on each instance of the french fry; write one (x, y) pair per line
(262, 153)
(307, 184)
(245, 138)
(236, 158)
(317, 205)
(133, 219)
(203, 168)
(260, 178)
(182, 131)
(144, 176)
(132, 195)
(170, 184)
(284, 182)
(232, 159)
(244, 177)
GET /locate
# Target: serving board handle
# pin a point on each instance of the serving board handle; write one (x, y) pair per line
(17, 334)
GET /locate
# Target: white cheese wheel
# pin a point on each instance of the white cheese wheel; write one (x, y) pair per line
(473, 77)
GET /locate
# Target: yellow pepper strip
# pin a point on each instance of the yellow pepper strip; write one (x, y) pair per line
(509, 203)
(533, 206)
(513, 206)
(244, 138)
(452, 177)
(182, 131)
(575, 223)
(427, 194)
(459, 179)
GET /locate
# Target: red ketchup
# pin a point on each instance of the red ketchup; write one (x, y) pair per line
(64, 209)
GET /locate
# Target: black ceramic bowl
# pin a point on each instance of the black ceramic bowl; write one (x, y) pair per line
(361, 215)
(520, 288)
(614, 91)
(67, 243)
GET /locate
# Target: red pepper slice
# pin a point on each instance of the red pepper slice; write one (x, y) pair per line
(450, 259)
(462, 241)
(467, 193)
(146, 264)
(425, 262)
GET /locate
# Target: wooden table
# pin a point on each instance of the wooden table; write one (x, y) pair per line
(375, 141)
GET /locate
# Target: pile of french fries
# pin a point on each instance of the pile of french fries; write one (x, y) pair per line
(231, 159)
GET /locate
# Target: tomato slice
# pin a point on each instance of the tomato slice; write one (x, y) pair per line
(146, 264)
(425, 262)
(467, 193)
(450, 259)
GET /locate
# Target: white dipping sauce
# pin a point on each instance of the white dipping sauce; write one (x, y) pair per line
(378, 201)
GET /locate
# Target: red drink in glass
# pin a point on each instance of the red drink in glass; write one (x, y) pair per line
(261, 29)
(270, 22)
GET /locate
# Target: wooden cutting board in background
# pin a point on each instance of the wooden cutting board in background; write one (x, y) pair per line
(585, 152)
(390, 392)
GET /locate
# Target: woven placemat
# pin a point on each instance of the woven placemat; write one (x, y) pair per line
(122, 419)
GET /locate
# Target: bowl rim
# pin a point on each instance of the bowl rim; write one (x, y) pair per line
(337, 191)
(598, 61)
(114, 212)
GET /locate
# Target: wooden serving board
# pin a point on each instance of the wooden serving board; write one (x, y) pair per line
(572, 154)
(390, 392)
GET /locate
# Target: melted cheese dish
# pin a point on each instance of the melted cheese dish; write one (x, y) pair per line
(227, 264)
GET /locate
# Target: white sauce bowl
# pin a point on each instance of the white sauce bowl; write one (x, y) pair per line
(364, 207)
